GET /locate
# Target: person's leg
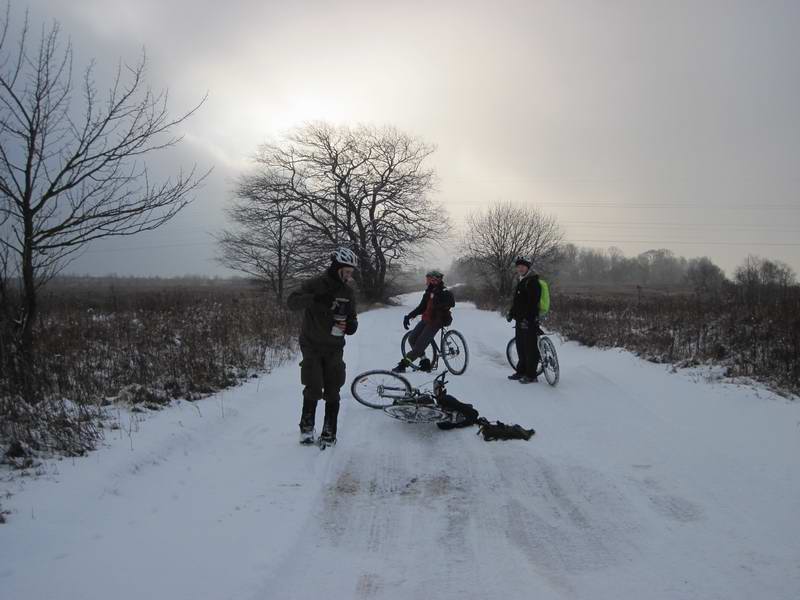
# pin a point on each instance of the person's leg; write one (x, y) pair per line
(423, 339)
(414, 336)
(311, 376)
(531, 343)
(335, 376)
(519, 339)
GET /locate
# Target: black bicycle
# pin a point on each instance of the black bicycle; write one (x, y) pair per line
(393, 394)
(548, 365)
(452, 347)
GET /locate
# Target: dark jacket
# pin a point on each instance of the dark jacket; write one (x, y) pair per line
(317, 297)
(526, 299)
(443, 301)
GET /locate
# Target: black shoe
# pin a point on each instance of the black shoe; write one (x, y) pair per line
(516, 376)
(307, 437)
(425, 365)
(401, 366)
(526, 379)
(326, 438)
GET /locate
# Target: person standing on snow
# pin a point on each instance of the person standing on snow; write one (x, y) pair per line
(437, 301)
(329, 314)
(525, 311)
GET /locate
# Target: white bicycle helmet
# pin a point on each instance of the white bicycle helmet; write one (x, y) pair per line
(345, 256)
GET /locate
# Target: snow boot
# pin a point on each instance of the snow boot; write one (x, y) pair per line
(402, 366)
(516, 376)
(526, 379)
(307, 437)
(326, 438)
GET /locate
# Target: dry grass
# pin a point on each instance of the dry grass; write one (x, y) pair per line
(141, 342)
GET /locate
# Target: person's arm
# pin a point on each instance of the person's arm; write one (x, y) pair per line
(306, 297)
(420, 309)
(351, 325)
(448, 300)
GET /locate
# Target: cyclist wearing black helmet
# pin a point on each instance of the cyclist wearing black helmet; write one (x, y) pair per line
(435, 306)
(525, 311)
(329, 313)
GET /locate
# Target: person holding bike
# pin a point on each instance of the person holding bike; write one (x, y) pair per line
(525, 312)
(435, 309)
(329, 314)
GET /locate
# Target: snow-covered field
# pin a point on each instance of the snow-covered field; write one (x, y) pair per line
(638, 484)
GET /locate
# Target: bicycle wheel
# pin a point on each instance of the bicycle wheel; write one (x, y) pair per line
(379, 389)
(405, 348)
(455, 352)
(415, 413)
(549, 364)
(511, 353)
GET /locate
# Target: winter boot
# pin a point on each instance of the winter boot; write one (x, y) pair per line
(326, 438)
(425, 365)
(307, 437)
(402, 366)
(526, 379)
(516, 376)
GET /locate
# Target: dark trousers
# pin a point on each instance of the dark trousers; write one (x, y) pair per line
(421, 337)
(527, 339)
(322, 373)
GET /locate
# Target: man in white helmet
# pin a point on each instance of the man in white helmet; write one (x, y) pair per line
(329, 313)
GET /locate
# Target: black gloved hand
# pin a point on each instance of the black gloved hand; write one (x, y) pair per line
(325, 300)
(406, 322)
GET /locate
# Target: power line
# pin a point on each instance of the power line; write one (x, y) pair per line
(688, 242)
(647, 205)
(711, 227)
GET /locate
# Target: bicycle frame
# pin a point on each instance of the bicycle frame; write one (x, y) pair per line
(420, 406)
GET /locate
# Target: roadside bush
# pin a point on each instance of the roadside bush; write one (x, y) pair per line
(142, 346)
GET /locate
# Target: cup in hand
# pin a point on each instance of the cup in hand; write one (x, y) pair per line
(339, 316)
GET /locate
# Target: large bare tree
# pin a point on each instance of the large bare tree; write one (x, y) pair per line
(497, 235)
(367, 188)
(72, 162)
(265, 241)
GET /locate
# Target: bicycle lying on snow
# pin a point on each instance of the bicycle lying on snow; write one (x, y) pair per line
(548, 365)
(393, 394)
(396, 397)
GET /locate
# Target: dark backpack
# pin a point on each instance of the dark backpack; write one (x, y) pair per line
(500, 431)
(450, 404)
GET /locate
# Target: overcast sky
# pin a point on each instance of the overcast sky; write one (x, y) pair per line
(639, 124)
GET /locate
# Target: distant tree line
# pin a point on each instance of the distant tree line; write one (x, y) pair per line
(661, 267)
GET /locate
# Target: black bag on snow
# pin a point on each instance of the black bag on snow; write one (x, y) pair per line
(500, 431)
(450, 404)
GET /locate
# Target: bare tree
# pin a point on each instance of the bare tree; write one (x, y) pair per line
(704, 276)
(266, 241)
(366, 188)
(761, 279)
(73, 172)
(504, 231)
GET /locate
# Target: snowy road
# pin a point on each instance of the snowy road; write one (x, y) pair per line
(638, 484)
